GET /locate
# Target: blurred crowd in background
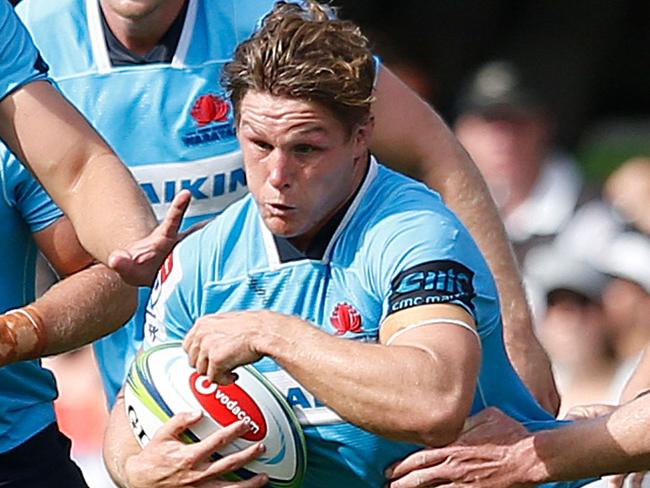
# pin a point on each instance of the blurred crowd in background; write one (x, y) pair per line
(551, 100)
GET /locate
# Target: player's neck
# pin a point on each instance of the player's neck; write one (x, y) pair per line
(141, 33)
(303, 241)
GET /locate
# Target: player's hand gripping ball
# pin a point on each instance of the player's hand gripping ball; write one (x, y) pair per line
(161, 383)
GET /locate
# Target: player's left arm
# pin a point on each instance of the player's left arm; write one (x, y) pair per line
(90, 302)
(417, 385)
(409, 134)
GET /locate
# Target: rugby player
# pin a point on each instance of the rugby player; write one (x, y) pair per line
(347, 284)
(147, 75)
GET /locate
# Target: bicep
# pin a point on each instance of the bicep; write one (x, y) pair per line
(59, 244)
(447, 332)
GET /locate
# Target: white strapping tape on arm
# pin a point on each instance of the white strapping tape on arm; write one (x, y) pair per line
(422, 323)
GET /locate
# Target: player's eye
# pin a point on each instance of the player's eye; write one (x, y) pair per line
(264, 146)
(305, 149)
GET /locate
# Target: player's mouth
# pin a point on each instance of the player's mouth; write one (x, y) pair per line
(279, 208)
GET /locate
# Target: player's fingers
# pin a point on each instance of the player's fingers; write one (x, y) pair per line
(233, 462)
(174, 217)
(178, 424)
(636, 480)
(218, 439)
(616, 481)
(256, 481)
(416, 461)
(419, 479)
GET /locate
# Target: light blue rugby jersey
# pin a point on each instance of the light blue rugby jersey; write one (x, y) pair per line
(26, 389)
(396, 246)
(20, 62)
(169, 122)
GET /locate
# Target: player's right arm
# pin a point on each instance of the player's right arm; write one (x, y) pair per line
(166, 462)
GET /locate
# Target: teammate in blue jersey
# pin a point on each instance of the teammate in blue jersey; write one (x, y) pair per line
(352, 288)
(76, 166)
(147, 75)
(91, 302)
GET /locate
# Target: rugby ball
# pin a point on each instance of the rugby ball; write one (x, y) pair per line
(161, 383)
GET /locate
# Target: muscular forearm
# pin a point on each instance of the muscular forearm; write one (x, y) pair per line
(618, 443)
(79, 170)
(402, 392)
(74, 312)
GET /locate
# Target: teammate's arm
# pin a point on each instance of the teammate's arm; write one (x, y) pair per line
(419, 388)
(497, 451)
(88, 181)
(89, 303)
(166, 462)
(408, 132)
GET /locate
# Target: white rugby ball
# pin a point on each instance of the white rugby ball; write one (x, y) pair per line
(161, 383)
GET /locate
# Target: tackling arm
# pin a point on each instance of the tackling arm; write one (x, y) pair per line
(410, 134)
(90, 303)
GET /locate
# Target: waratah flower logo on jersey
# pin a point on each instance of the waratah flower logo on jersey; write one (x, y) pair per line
(210, 108)
(346, 318)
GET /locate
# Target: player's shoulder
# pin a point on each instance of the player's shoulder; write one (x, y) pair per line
(244, 16)
(213, 245)
(398, 203)
(46, 12)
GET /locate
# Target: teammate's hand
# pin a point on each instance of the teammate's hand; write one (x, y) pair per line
(138, 264)
(167, 462)
(218, 343)
(488, 454)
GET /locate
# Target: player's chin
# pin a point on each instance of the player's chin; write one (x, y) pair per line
(282, 227)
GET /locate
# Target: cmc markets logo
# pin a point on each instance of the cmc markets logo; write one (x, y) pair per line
(346, 318)
(228, 404)
(210, 108)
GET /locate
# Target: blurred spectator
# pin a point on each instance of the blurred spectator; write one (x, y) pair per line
(628, 189)
(504, 124)
(573, 327)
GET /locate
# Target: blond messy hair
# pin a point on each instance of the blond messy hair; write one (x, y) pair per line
(303, 51)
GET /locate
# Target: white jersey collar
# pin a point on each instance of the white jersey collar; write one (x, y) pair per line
(272, 254)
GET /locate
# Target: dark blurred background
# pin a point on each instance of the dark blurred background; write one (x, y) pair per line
(589, 58)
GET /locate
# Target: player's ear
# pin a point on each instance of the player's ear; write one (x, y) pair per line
(362, 135)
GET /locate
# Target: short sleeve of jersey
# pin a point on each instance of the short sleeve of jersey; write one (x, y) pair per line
(23, 192)
(20, 62)
(174, 303)
(428, 257)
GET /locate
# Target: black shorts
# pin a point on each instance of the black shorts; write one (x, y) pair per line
(43, 461)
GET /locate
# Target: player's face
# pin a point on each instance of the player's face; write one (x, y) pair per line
(301, 163)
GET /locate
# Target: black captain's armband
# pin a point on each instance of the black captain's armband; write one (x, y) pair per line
(430, 283)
